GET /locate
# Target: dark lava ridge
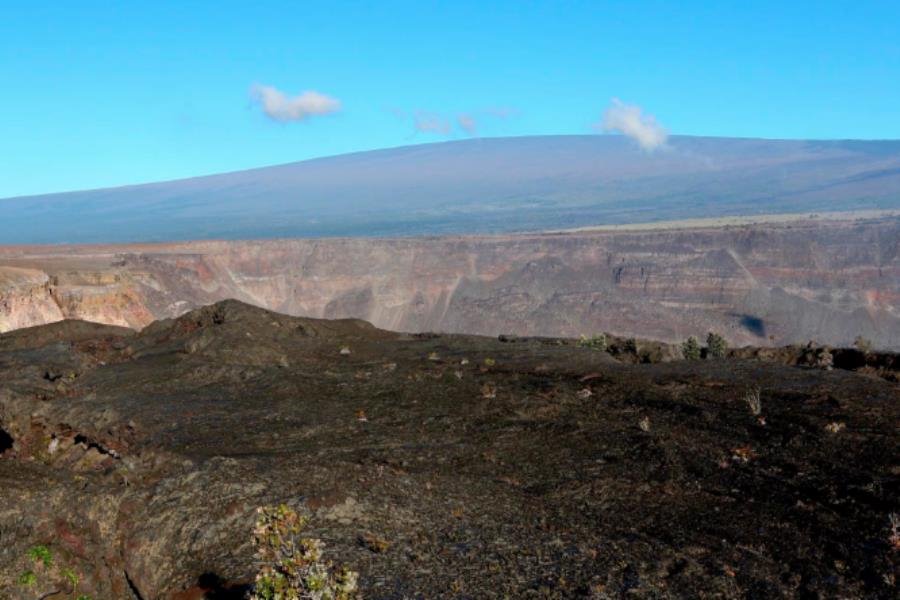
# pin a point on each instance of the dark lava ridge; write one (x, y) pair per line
(528, 467)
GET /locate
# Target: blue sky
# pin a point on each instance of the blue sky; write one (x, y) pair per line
(100, 94)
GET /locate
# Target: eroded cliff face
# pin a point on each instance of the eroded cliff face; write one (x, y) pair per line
(761, 285)
(25, 299)
(31, 297)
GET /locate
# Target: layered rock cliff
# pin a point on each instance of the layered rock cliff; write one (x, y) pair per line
(25, 299)
(761, 284)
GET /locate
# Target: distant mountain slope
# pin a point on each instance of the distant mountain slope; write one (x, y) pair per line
(476, 186)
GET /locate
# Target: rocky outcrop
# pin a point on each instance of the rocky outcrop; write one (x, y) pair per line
(762, 285)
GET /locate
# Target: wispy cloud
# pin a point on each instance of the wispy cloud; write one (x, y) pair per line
(280, 107)
(429, 122)
(631, 121)
(467, 123)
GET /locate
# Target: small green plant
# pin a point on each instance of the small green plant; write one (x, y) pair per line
(595, 342)
(691, 349)
(27, 579)
(292, 566)
(41, 554)
(716, 346)
(44, 578)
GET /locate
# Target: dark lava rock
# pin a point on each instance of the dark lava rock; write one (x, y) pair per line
(503, 470)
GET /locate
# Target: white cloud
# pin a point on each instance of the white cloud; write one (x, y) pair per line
(630, 120)
(280, 107)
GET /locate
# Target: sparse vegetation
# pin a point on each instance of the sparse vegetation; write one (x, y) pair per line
(825, 359)
(819, 357)
(691, 348)
(862, 344)
(292, 566)
(716, 346)
(71, 576)
(595, 342)
(43, 577)
(41, 555)
(753, 399)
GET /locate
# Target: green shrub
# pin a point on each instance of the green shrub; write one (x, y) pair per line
(716, 346)
(292, 566)
(41, 554)
(691, 349)
(596, 342)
